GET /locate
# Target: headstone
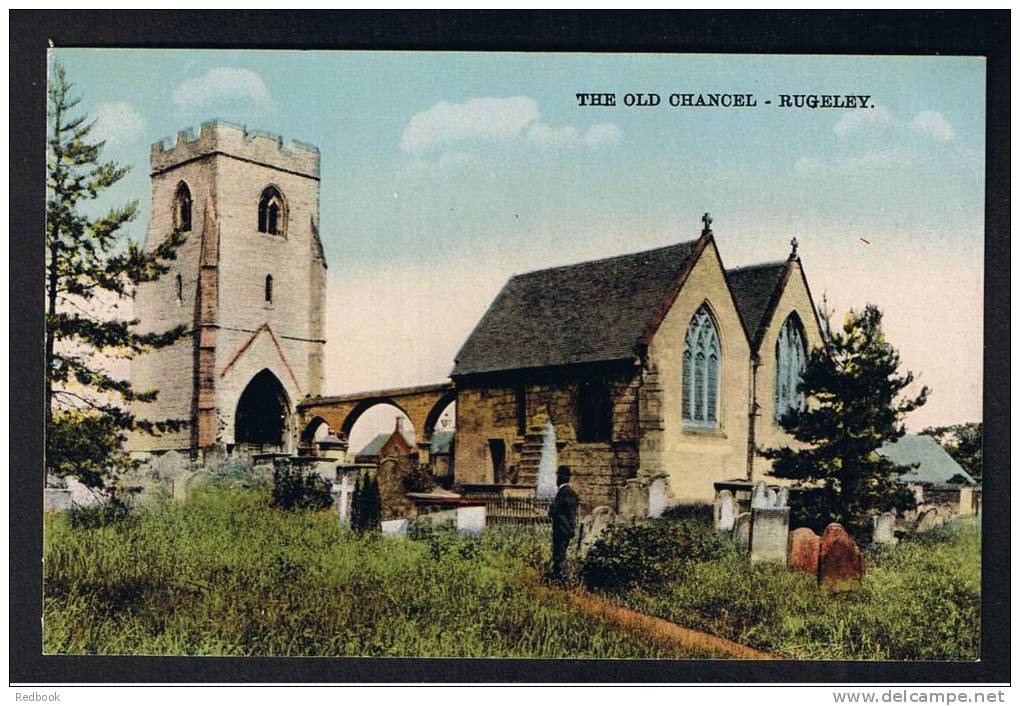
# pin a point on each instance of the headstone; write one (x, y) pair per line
(769, 530)
(783, 497)
(56, 499)
(927, 520)
(592, 527)
(471, 520)
(632, 499)
(884, 528)
(395, 527)
(546, 484)
(772, 498)
(343, 490)
(803, 551)
(725, 511)
(840, 562)
(760, 495)
(658, 496)
(742, 530)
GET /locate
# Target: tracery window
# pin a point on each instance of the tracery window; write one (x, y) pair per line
(700, 371)
(182, 208)
(791, 359)
(272, 212)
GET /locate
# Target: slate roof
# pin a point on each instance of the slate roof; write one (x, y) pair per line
(937, 466)
(753, 288)
(589, 312)
(442, 442)
(372, 448)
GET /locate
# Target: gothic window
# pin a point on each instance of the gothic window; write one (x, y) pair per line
(594, 411)
(182, 208)
(269, 289)
(180, 289)
(700, 373)
(272, 212)
(791, 359)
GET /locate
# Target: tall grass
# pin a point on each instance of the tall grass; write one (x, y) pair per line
(225, 574)
(920, 600)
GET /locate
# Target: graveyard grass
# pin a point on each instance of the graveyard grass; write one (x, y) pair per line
(920, 600)
(224, 574)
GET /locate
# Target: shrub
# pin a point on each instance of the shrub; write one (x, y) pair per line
(112, 511)
(649, 554)
(418, 479)
(295, 490)
(366, 504)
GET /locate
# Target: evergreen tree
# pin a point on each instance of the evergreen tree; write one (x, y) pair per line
(854, 407)
(87, 266)
(356, 504)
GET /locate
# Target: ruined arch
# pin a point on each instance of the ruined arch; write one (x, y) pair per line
(352, 417)
(311, 429)
(262, 417)
(436, 412)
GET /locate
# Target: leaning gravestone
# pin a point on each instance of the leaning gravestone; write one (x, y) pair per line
(724, 511)
(632, 500)
(803, 552)
(769, 530)
(742, 530)
(884, 528)
(927, 520)
(592, 527)
(760, 495)
(840, 562)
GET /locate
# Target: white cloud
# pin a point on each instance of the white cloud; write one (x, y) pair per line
(862, 119)
(932, 124)
(117, 123)
(220, 85)
(499, 120)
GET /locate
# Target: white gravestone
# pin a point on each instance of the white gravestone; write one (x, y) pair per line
(725, 512)
(546, 485)
(760, 496)
(658, 494)
(395, 527)
(471, 520)
(783, 497)
(343, 507)
(770, 534)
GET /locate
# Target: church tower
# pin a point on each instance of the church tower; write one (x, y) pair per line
(248, 284)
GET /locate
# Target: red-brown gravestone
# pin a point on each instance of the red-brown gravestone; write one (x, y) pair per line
(804, 547)
(840, 562)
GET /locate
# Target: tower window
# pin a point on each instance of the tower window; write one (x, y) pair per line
(269, 289)
(272, 212)
(182, 208)
(594, 411)
(700, 374)
(179, 287)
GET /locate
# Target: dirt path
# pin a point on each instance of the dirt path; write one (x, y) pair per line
(662, 630)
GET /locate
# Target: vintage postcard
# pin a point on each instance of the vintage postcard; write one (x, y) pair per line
(514, 355)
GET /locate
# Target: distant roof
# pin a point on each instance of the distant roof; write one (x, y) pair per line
(936, 465)
(753, 287)
(373, 447)
(442, 442)
(589, 312)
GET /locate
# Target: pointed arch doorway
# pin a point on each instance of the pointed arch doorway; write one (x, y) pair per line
(263, 417)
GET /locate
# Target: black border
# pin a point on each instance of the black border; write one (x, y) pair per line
(873, 32)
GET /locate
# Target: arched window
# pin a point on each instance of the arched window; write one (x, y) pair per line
(269, 289)
(182, 208)
(700, 373)
(180, 289)
(594, 411)
(791, 359)
(272, 212)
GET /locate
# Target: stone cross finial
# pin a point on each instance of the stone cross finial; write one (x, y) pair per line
(707, 220)
(793, 247)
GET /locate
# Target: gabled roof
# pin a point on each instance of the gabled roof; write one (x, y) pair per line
(590, 312)
(755, 287)
(936, 465)
(373, 447)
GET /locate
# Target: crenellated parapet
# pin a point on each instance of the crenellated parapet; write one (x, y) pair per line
(235, 141)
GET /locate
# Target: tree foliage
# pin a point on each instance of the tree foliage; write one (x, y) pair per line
(964, 442)
(856, 404)
(366, 504)
(88, 266)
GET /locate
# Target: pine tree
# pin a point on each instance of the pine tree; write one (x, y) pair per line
(88, 264)
(356, 504)
(855, 406)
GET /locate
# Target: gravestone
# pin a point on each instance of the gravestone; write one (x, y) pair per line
(632, 499)
(742, 530)
(592, 527)
(769, 534)
(840, 562)
(343, 491)
(884, 527)
(658, 496)
(927, 520)
(395, 527)
(760, 495)
(804, 549)
(772, 498)
(56, 499)
(471, 520)
(724, 510)
(783, 497)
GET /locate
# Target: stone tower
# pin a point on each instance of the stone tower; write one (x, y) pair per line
(249, 285)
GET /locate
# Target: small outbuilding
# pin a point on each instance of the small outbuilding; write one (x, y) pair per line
(937, 479)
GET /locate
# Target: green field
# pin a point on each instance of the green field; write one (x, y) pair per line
(224, 574)
(920, 600)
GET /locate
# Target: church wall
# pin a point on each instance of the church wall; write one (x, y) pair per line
(695, 458)
(768, 433)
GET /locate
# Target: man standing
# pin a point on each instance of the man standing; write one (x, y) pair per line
(563, 512)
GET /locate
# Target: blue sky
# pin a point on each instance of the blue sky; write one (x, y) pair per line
(444, 173)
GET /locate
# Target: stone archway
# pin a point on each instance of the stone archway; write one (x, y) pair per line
(262, 419)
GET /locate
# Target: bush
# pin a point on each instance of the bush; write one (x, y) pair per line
(649, 554)
(294, 490)
(366, 504)
(102, 514)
